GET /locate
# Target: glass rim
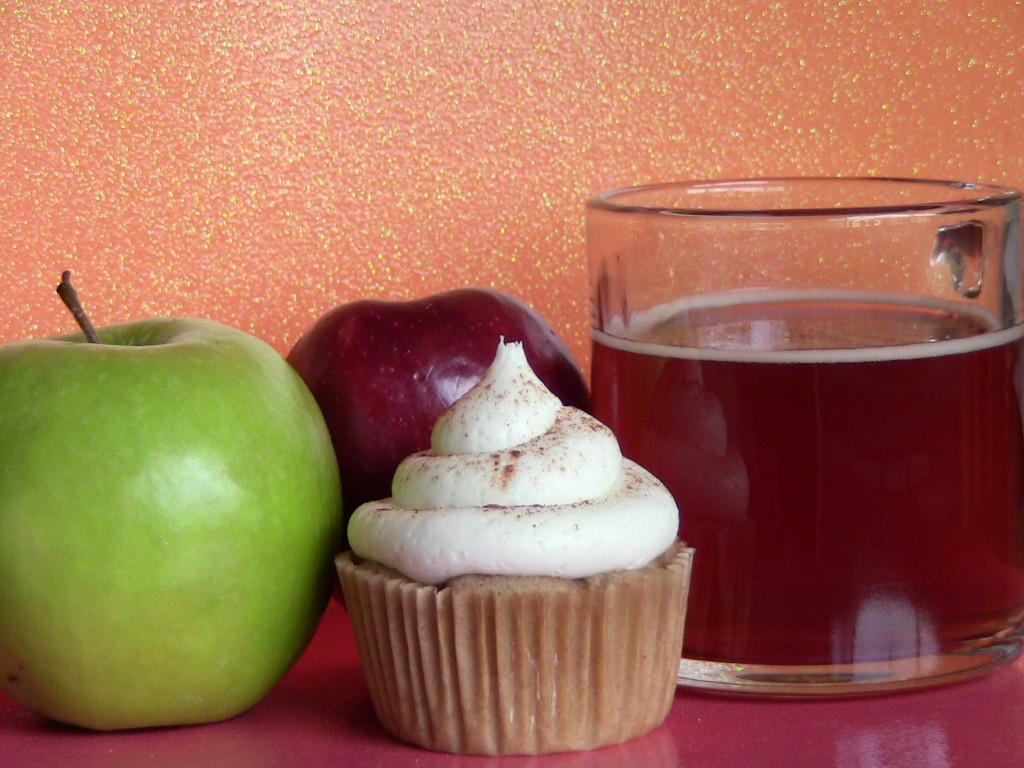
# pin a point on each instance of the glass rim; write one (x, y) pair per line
(984, 195)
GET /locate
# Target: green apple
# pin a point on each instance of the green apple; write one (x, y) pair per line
(169, 510)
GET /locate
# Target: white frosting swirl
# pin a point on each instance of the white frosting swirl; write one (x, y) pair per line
(516, 484)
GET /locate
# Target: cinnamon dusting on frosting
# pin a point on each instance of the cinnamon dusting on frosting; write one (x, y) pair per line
(535, 489)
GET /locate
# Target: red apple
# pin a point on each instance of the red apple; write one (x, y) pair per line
(383, 371)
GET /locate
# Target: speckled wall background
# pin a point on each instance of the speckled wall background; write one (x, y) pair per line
(260, 162)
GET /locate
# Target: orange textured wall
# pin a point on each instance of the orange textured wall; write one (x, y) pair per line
(258, 163)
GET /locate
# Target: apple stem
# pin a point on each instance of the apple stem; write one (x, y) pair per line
(69, 296)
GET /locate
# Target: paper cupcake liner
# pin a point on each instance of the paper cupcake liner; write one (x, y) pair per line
(507, 665)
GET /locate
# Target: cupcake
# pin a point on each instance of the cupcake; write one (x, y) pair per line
(523, 591)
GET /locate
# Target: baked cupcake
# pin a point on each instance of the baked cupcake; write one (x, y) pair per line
(523, 590)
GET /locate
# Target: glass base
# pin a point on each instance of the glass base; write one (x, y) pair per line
(858, 679)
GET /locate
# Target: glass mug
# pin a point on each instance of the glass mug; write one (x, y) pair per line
(827, 374)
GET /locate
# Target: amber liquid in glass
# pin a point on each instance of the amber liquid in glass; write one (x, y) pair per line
(846, 505)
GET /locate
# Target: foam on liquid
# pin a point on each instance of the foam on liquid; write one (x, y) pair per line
(807, 327)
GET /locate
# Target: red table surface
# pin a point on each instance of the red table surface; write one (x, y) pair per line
(320, 715)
